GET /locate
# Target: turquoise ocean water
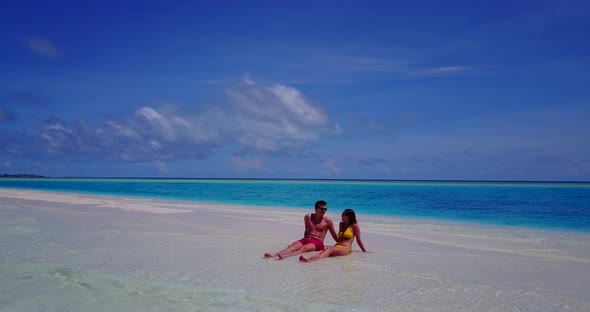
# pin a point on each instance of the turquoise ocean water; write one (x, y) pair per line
(548, 205)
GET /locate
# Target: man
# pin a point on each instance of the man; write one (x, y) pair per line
(316, 228)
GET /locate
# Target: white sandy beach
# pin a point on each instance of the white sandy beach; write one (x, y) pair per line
(78, 252)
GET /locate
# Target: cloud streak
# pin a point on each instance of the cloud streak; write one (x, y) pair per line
(439, 71)
(43, 47)
(410, 69)
(409, 64)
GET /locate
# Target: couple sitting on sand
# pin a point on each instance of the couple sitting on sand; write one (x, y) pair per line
(316, 228)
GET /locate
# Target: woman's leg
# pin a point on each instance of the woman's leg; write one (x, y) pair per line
(330, 252)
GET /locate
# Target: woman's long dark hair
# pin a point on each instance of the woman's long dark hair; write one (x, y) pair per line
(351, 216)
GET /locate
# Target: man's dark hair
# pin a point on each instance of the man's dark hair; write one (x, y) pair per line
(320, 203)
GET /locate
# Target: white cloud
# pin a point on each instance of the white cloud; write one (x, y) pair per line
(156, 119)
(6, 165)
(252, 101)
(52, 142)
(175, 125)
(58, 127)
(149, 114)
(297, 104)
(276, 117)
(180, 121)
(254, 119)
(43, 47)
(259, 143)
(123, 130)
(247, 79)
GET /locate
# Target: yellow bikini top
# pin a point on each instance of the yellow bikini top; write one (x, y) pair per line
(347, 234)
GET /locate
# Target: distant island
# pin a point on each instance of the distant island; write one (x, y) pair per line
(20, 175)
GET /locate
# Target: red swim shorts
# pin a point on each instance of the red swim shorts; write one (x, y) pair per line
(319, 245)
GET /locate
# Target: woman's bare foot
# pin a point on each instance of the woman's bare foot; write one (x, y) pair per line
(302, 259)
(268, 255)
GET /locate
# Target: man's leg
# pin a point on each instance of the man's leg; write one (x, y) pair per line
(305, 248)
(292, 247)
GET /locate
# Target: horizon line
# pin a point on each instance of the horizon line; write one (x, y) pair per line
(301, 179)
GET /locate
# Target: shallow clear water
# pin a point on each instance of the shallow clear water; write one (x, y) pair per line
(56, 256)
(563, 206)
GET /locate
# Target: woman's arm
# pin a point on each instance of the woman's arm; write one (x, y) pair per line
(357, 233)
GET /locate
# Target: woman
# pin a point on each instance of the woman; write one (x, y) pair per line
(349, 229)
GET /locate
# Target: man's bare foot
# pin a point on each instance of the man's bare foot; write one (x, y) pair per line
(268, 255)
(280, 256)
(302, 259)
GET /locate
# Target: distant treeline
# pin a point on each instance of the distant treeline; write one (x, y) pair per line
(20, 175)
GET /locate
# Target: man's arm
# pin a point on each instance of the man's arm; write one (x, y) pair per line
(305, 223)
(332, 230)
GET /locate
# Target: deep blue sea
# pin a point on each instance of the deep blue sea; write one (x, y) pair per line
(547, 205)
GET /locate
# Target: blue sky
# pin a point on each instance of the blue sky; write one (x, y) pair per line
(296, 89)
